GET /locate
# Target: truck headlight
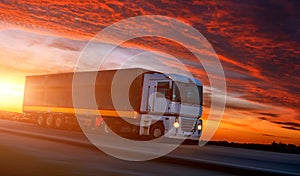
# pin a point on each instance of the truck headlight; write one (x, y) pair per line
(199, 127)
(176, 124)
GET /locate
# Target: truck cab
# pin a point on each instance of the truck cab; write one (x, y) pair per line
(171, 105)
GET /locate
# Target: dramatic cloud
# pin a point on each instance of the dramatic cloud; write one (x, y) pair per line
(289, 125)
(269, 114)
(264, 37)
(270, 135)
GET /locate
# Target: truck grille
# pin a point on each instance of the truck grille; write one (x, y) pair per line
(187, 124)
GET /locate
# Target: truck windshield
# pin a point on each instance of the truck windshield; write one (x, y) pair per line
(187, 93)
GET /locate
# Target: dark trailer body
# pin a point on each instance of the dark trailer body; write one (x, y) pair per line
(55, 90)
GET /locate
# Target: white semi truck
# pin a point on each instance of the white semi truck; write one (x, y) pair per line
(153, 104)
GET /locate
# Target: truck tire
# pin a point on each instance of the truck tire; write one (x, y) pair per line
(40, 120)
(49, 121)
(156, 130)
(103, 128)
(59, 122)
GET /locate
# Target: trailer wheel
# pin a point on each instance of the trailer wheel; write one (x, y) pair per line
(40, 120)
(156, 130)
(49, 121)
(59, 122)
(103, 128)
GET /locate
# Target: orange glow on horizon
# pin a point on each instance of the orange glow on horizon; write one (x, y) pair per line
(11, 96)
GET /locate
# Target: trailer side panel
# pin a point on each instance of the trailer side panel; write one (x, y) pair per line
(55, 91)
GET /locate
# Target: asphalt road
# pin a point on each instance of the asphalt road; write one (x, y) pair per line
(21, 155)
(25, 155)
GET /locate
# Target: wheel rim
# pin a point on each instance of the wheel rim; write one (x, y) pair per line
(58, 122)
(49, 121)
(157, 132)
(106, 128)
(40, 120)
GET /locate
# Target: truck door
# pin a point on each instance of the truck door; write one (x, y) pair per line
(158, 96)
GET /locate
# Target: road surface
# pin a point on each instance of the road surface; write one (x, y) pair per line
(21, 155)
(65, 158)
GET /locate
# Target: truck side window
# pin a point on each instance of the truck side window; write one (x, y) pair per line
(162, 87)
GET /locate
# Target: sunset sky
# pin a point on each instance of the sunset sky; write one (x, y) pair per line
(257, 42)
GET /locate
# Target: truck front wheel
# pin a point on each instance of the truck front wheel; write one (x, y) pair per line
(156, 131)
